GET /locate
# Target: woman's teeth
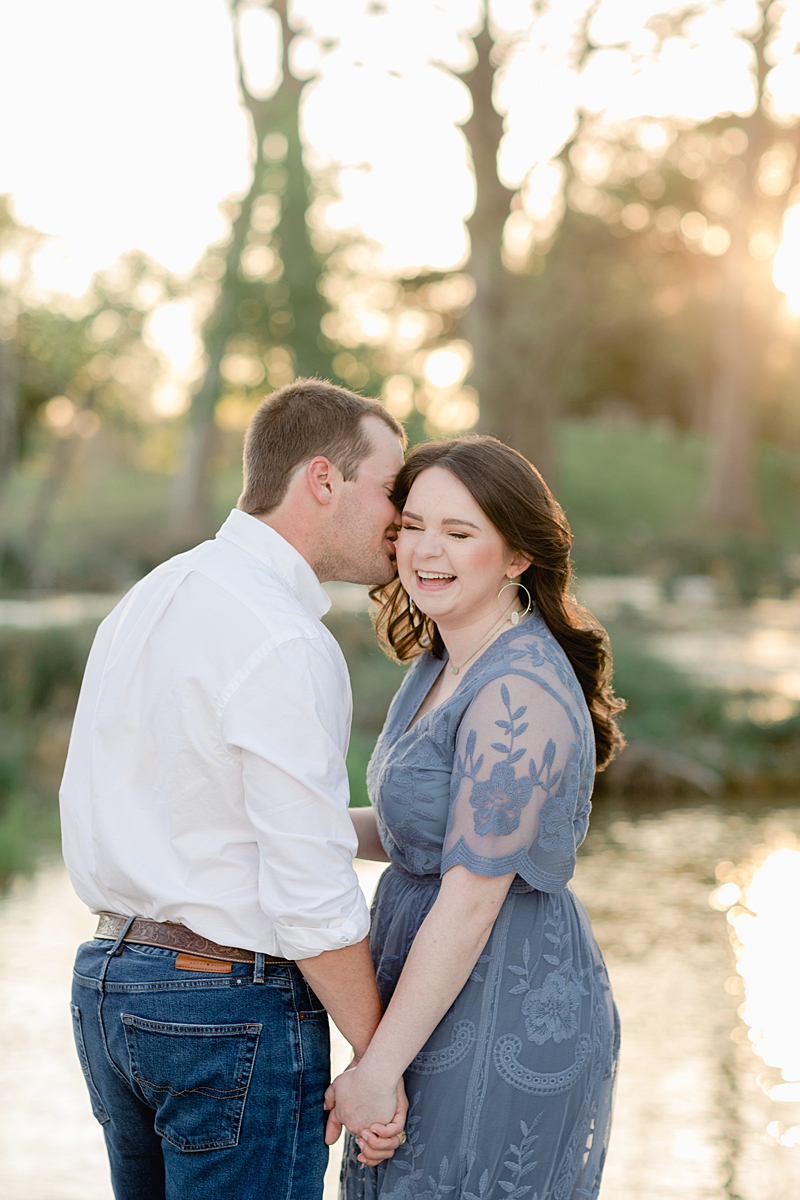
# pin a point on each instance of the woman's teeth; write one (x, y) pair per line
(434, 580)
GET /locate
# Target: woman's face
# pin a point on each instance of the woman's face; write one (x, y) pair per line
(451, 559)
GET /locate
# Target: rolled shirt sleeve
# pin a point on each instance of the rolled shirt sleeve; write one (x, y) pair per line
(288, 723)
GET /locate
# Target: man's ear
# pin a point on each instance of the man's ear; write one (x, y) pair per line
(322, 477)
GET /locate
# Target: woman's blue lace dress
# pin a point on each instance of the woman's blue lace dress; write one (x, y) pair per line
(511, 1095)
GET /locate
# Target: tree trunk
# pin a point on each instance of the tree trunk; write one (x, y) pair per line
(301, 265)
(516, 404)
(485, 323)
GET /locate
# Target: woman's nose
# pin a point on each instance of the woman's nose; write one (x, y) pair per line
(429, 545)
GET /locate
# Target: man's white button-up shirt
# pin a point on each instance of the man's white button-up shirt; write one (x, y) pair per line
(206, 780)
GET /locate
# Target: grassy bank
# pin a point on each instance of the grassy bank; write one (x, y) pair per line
(683, 737)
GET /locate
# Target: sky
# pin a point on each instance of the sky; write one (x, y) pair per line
(122, 126)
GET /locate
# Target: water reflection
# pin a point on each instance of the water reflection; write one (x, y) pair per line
(694, 1113)
(699, 1115)
(763, 901)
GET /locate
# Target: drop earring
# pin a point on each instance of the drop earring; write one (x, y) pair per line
(516, 617)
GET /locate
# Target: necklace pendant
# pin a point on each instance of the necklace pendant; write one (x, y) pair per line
(454, 670)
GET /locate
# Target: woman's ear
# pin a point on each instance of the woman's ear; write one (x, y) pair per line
(518, 564)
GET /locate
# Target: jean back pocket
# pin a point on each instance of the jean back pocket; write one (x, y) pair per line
(196, 1077)
(98, 1108)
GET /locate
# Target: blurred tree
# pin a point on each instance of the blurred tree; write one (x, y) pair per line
(17, 245)
(704, 203)
(77, 369)
(266, 320)
(550, 312)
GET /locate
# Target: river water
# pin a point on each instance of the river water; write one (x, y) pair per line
(697, 910)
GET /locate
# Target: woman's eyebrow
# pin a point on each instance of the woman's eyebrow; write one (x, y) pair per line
(459, 521)
(446, 521)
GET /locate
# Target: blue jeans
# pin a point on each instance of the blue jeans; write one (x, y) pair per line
(208, 1086)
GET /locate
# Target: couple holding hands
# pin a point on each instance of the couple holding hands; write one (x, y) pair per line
(205, 820)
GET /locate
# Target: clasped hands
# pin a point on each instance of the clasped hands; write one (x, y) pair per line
(371, 1110)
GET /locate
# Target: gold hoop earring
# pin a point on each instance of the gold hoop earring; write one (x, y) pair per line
(516, 617)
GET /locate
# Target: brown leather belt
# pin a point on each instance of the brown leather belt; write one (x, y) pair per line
(167, 936)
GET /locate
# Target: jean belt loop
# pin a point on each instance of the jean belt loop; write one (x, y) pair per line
(117, 947)
(113, 952)
(258, 968)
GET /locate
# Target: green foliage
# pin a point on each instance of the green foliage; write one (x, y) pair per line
(92, 351)
(633, 492)
(103, 534)
(27, 827)
(40, 674)
(41, 668)
(600, 339)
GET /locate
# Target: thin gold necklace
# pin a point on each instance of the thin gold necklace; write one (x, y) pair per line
(485, 642)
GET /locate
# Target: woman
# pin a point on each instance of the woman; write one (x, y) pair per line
(498, 1011)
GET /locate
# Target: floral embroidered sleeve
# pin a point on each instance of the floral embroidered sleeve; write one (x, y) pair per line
(514, 786)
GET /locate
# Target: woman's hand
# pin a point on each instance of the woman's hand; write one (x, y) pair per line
(379, 1142)
(372, 1111)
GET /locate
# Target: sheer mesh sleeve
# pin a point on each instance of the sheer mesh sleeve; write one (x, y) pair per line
(515, 784)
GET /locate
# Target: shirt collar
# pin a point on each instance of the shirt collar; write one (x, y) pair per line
(265, 544)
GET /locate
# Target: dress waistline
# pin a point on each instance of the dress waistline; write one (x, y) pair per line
(425, 880)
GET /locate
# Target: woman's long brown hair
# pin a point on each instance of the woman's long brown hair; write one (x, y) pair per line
(518, 502)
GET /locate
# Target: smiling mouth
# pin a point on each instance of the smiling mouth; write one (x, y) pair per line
(433, 581)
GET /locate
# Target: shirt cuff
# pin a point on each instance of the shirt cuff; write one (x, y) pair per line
(296, 943)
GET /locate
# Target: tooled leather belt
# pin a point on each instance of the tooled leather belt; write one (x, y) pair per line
(167, 936)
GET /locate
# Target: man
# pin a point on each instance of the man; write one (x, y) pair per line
(204, 808)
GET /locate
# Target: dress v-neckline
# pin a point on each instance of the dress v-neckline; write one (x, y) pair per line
(416, 717)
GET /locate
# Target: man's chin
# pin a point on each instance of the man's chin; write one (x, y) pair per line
(375, 574)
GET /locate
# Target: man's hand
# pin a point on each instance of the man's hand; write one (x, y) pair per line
(361, 1106)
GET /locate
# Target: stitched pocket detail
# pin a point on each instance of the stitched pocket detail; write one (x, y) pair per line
(196, 1077)
(98, 1108)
